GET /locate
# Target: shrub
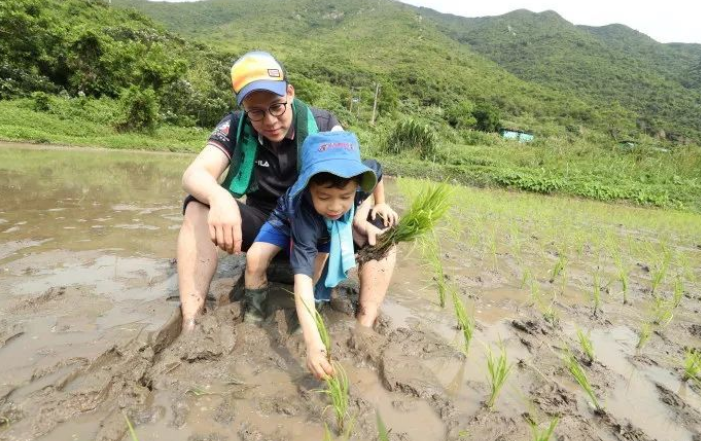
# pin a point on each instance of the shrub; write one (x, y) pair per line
(412, 135)
(139, 110)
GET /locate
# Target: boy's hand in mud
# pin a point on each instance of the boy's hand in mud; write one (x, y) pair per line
(318, 363)
(225, 223)
(388, 216)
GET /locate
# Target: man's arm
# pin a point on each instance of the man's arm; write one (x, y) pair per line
(200, 180)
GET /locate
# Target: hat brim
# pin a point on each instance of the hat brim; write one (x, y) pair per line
(339, 167)
(277, 87)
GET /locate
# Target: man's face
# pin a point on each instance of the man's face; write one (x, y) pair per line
(331, 202)
(274, 128)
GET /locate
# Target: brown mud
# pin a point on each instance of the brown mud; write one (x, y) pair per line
(90, 333)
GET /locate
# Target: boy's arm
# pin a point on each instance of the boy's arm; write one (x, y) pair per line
(317, 361)
(305, 233)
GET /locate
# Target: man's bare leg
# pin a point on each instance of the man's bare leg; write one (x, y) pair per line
(197, 262)
(375, 277)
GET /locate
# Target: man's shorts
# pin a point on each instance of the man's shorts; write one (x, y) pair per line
(252, 219)
(275, 236)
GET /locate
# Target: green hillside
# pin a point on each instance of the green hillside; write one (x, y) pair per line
(91, 73)
(343, 45)
(607, 65)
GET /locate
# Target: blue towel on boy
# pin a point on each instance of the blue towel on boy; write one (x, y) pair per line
(341, 255)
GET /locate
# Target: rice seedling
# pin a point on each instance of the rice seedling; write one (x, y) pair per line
(623, 275)
(581, 378)
(678, 293)
(586, 345)
(132, 432)
(429, 207)
(382, 432)
(559, 268)
(337, 388)
(692, 366)
(644, 335)
(660, 270)
(465, 323)
(431, 252)
(498, 370)
(493, 251)
(663, 311)
(596, 293)
(538, 434)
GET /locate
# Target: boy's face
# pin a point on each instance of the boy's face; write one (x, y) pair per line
(330, 202)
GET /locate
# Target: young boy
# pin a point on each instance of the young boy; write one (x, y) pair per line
(324, 214)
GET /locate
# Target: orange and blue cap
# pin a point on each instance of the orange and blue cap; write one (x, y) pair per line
(256, 71)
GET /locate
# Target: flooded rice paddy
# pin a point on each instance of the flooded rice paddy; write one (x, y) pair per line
(89, 324)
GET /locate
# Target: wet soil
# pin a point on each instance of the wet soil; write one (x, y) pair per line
(90, 333)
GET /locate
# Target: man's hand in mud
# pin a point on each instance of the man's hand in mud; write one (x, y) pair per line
(318, 363)
(225, 223)
(389, 217)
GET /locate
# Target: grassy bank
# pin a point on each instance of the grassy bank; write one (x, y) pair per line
(589, 166)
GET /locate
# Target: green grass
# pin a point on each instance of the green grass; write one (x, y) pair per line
(581, 378)
(90, 128)
(498, 370)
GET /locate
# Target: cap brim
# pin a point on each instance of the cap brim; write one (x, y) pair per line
(339, 167)
(277, 87)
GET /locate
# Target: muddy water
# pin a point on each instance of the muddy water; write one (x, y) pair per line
(87, 240)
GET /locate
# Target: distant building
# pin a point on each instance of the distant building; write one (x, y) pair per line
(518, 135)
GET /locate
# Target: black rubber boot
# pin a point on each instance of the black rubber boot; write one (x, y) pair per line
(256, 301)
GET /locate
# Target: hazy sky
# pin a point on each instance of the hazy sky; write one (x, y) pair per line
(666, 21)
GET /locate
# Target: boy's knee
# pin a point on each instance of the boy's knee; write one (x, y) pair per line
(256, 262)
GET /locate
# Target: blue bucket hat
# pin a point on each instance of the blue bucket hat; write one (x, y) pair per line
(337, 153)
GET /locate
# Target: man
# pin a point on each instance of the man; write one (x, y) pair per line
(259, 145)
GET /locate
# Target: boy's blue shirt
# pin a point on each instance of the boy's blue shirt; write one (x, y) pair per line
(306, 228)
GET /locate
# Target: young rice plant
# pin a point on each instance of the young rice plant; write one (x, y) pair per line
(498, 370)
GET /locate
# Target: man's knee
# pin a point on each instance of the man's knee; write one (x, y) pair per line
(195, 215)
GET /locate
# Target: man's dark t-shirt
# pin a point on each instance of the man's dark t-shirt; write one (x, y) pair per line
(276, 167)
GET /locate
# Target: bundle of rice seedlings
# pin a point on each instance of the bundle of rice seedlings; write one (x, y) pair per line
(581, 377)
(421, 218)
(498, 370)
(337, 388)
